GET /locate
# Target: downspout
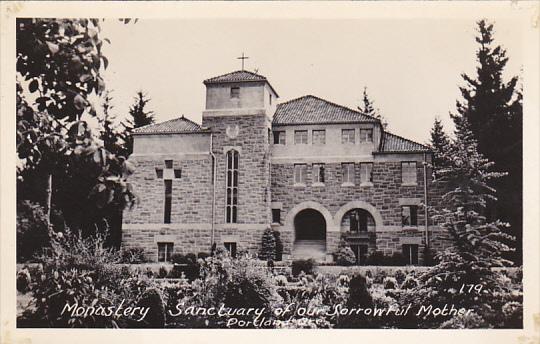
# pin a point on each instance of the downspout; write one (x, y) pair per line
(426, 202)
(214, 174)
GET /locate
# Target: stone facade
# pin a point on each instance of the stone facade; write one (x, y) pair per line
(244, 120)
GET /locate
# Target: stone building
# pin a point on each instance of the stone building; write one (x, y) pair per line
(315, 171)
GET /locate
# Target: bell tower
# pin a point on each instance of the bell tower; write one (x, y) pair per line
(238, 112)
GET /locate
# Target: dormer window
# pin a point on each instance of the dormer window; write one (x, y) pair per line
(235, 92)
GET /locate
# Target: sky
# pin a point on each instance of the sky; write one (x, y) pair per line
(411, 68)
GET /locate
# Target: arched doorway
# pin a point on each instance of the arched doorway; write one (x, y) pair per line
(310, 234)
(358, 224)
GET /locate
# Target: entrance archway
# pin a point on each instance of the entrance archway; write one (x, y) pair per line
(310, 235)
(309, 224)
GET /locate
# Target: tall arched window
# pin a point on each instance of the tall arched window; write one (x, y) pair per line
(232, 187)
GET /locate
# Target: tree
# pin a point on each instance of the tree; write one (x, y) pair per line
(59, 65)
(367, 108)
(439, 143)
(344, 255)
(111, 137)
(268, 247)
(493, 109)
(138, 117)
(478, 244)
(279, 245)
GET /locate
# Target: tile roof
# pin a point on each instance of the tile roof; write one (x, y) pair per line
(313, 110)
(239, 75)
(174, 126)
(392, 143)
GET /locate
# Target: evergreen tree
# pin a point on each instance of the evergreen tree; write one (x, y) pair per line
(109, 134)
(268, 248)
(439, 143)
(138, 117)
(493, 109)
(368, 109)
(477, 243)
(279, 245)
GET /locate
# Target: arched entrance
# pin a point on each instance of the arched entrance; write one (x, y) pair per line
(310, 234)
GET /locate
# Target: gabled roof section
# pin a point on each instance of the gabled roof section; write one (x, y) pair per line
(392, 143)
(314, 110)
(179, 125)
(238, 76)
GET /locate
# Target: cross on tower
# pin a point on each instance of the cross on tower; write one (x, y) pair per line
(242, 58)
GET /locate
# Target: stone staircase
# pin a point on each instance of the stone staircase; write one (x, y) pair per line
(305, 249)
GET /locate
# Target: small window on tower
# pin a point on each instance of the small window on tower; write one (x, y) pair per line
(177, 173)
(270, 99)
(235, 92)
(168, 163)
(159, 173)
(276, 215)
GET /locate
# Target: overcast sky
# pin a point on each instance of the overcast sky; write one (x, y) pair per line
(411, 67)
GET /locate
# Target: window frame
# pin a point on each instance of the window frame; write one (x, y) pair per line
(235, 92)
(370, 136)
(414, 173)
(318, 131)
(346, 171)
(362, 174)
(276, 215)
(231, 247)
(232, 164)
(279, 134)
(167, 202)
(349, 131)
(413, 216)
(317, 173)
(296, 137)
(411, 256)
(302, 169)
(167, 253)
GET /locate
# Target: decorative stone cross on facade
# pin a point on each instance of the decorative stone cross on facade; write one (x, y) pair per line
(242, 58)
(168, 174)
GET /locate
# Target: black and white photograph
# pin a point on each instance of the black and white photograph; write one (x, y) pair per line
(271, 170)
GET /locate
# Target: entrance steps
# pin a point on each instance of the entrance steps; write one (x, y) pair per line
(305, 249)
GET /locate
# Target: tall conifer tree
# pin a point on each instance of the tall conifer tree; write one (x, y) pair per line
(368, 108)
(493, 109)
(439, 143)
(138, 117)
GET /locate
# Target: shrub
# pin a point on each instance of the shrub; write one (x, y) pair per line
(379, 276)
(133, 255)
(203, 255)
(162, 272)
(23, 280)
(375, 258)
(400, 276)
(465, 321)
(155, 318)
(187, 265)
(303, 265)
(409, 283)
(397, 259)
(358, 297)
(344, 255)
(32, 231)
(390, 283)
(513, 314)
(268, 246)
(83, 272)
(279, 245)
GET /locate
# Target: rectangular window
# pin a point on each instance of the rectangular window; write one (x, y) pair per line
(408, 172)
(410, 252)
(366, 135)
(409, 215)
(232, 186)
(300, 172)
(300, 137)
(347, 136)
(235, 92)
(366, 172)
(168, 201)
(177, 173)
(270, 100)
(276, 215)
(231, 248)
(165, 250)
(279, 137)
(168, 163)
(319, 137)
(348, 172)
(318, 173)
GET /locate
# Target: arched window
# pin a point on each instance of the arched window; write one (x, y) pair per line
(232, 187)
(357, 220)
